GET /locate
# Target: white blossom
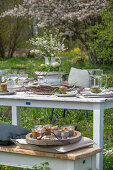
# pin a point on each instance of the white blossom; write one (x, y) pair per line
(47, 45)
(55, 11)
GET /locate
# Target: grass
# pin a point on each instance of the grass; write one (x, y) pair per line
(34, 116)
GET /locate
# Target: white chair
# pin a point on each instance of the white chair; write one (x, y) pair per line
(79, 77)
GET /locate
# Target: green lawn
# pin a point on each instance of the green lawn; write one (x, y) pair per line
(77, 118)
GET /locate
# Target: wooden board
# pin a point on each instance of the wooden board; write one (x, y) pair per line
(73, 155)
(44, 142)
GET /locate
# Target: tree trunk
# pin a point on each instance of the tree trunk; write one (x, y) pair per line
(14, 37)
(2, 51)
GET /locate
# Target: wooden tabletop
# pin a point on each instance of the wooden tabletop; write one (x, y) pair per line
(73, 155)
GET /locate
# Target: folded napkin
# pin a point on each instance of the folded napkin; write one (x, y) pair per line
(84, 142)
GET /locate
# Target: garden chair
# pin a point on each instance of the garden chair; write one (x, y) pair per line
(76, 77)
(79, 77)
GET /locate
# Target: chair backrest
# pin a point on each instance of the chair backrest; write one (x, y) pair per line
(79, 77)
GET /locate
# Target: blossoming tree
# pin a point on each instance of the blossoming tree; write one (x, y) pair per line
(70, 16)
(56, 11)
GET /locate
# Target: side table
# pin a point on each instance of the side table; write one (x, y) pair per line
(81, 159)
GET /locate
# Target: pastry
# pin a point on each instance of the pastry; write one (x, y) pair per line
(63, 89)
(3, 86)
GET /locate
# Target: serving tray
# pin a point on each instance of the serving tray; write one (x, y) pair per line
(50, 142)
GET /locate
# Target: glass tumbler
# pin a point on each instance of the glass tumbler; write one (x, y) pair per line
(99, 81)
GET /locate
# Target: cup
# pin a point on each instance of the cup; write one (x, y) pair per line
(65, 128)
(65, 134)
(57, 133)
(71, 133)
(34, 134)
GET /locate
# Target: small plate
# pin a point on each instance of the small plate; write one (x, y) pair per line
(7, 93)
(66, 95)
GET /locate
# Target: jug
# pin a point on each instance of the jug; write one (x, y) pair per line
(52, 60)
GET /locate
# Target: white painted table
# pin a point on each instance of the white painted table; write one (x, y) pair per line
(97, 105)
(82, 159)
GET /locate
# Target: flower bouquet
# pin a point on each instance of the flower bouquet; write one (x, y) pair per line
(47, 46)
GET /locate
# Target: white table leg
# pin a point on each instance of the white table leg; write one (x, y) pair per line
(15, 115)
(98, 127)
(93, 162)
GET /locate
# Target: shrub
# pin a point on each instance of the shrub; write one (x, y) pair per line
(79, 56)
(108, 159)
(101, 38)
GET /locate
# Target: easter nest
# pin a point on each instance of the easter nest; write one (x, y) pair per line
(54, 141)
(40, 89)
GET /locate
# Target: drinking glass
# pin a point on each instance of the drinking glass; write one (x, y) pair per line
(97, 78)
